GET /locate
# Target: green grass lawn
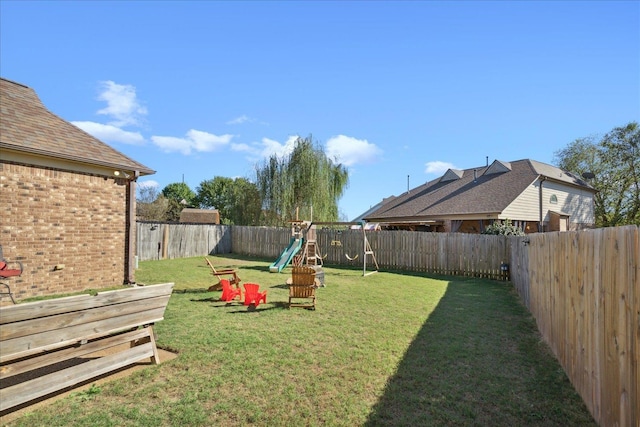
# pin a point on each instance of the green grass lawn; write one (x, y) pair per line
(387, 349)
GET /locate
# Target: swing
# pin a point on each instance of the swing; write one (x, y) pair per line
(366, 247)
(334, 241)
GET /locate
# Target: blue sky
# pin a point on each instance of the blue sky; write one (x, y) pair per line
(396, 91)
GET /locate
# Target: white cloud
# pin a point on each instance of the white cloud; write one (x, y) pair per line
(266, 148)
(195, 140)
(437, 167)
(242, 147)
(204, 141)
(170, 144)
(110, 133)
(350, 151)
(246, 119)
(122, 104)
(271, 147)
(239, 120)
(148, 184)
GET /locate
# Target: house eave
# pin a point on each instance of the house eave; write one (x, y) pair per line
(435, 218)
(585, 186)
(37, 157)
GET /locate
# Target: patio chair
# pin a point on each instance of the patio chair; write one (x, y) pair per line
(252, 294)
(228, 292)
(6, 272)
(302, 286)
(227, 273)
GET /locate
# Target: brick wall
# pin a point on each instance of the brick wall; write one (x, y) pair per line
(50, 217)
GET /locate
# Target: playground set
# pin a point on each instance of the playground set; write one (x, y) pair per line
(303, 247)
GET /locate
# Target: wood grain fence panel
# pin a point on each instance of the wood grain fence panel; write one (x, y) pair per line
(583, 292)
(611, 308)
(519, 267)
(590, 309)
(177, 240)
(600, 284)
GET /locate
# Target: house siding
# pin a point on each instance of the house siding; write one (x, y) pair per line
(53, 217)
(575, 202)
(526, 207)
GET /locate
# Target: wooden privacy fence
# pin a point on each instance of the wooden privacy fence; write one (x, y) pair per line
(441, 253)
(173, 240)
(583, 288)
(260, 242)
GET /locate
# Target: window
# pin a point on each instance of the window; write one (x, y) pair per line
(554, 199)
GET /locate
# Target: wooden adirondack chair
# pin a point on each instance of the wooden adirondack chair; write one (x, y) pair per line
(302, 287)
(228, 273)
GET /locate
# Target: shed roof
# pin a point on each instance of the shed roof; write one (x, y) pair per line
(26, 125)
(201, 216)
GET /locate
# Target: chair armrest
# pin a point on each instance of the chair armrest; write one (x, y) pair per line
(5, 271)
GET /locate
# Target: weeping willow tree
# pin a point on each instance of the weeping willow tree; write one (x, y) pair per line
(306, 179)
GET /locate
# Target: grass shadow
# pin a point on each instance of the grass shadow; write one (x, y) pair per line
(211, 299)
(478, 360)
(278, 305)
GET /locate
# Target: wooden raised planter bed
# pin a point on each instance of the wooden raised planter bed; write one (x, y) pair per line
(47, 346)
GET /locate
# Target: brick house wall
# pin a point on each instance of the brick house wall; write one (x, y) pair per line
(52, 217)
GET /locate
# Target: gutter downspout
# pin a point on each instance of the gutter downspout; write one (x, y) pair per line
(130, 242)
(541, 224)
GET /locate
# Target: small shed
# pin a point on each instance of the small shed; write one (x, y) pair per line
(200, 216)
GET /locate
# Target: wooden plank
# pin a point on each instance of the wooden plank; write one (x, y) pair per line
(598, 330)
(634, 296)
(611, 403)
(50, 358)
(24, 346)
(589, 293)
(623, 323)
(66, 320)
(155, 358)
(19, 312)
(42, 386)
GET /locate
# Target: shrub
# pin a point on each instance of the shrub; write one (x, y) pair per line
(505, 228)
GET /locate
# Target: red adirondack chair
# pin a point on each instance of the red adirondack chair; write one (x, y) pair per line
(252, 294)
(229, 293)
(5, 272)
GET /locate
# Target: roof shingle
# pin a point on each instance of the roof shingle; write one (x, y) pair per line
(474, 193)
(27, 125)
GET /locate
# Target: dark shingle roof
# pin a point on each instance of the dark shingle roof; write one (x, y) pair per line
(474, 192)
(26, 125)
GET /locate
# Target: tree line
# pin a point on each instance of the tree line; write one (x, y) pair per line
(283, 188)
